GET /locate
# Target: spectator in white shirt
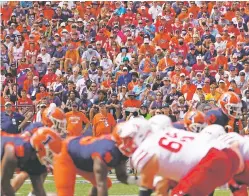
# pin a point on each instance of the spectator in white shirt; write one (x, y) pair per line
(46, 58)
(221, 73)
(155, 9)
(88, 55)
(81, 83)
(106, 63)
(219, 44)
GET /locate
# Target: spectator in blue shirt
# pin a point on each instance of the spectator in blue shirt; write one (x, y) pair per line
(125, 78)
(59, 55)
(191, 56)
(12, 122)
(139, 88)
(120, 10)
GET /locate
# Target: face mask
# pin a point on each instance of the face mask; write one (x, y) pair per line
(105, 59)
(90, 50)
(123, 50)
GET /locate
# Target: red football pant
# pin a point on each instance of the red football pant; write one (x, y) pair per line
(243, 178)
(214, 170)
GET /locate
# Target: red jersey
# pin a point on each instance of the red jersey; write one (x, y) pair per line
(48, 79)
(198, 68)
(25, 101)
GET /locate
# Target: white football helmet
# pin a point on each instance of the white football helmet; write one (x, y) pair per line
(214, 131)
(160, 122)
(131, 134)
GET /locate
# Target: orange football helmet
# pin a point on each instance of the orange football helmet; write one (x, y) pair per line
(46, 142)
(230, 104)
(115, 133)
(195, 121)
(55, 118)
(131, 134)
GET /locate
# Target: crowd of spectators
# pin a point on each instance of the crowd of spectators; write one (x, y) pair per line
(122, 60)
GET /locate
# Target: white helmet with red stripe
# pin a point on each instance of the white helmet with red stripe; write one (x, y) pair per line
(160, 122)
(213, 131)
(131, 134)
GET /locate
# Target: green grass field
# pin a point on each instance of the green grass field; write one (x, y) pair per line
(117, 189)
(81, 189)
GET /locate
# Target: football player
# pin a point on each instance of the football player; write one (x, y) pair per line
(18, 152)
(159, 122)
(168, 154)
(228, 113)
(242, 178)
(88, 156)
(51, 117)
(195, 121)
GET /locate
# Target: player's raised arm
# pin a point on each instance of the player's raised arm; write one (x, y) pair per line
(100, 171)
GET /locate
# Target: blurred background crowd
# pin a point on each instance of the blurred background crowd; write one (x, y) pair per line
(107, 62)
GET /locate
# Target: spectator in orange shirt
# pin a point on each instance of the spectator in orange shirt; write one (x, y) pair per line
(48, 11)
(134, 81)
(6, 12)
(75, 120)
(176, 77)
(162, 39)
(183, 15)
(193, 9)
(146, 47)
(103, 122)
(131, 102)
(206, 86)
(71, 57)
(188, 89)
(222, 87)
(220, 59)
(28, 81)
(165, 62)
(42, 92)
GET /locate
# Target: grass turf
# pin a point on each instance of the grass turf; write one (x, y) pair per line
(81, 189)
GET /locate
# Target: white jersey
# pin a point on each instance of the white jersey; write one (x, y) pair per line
(232, 137)
(177, 152)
